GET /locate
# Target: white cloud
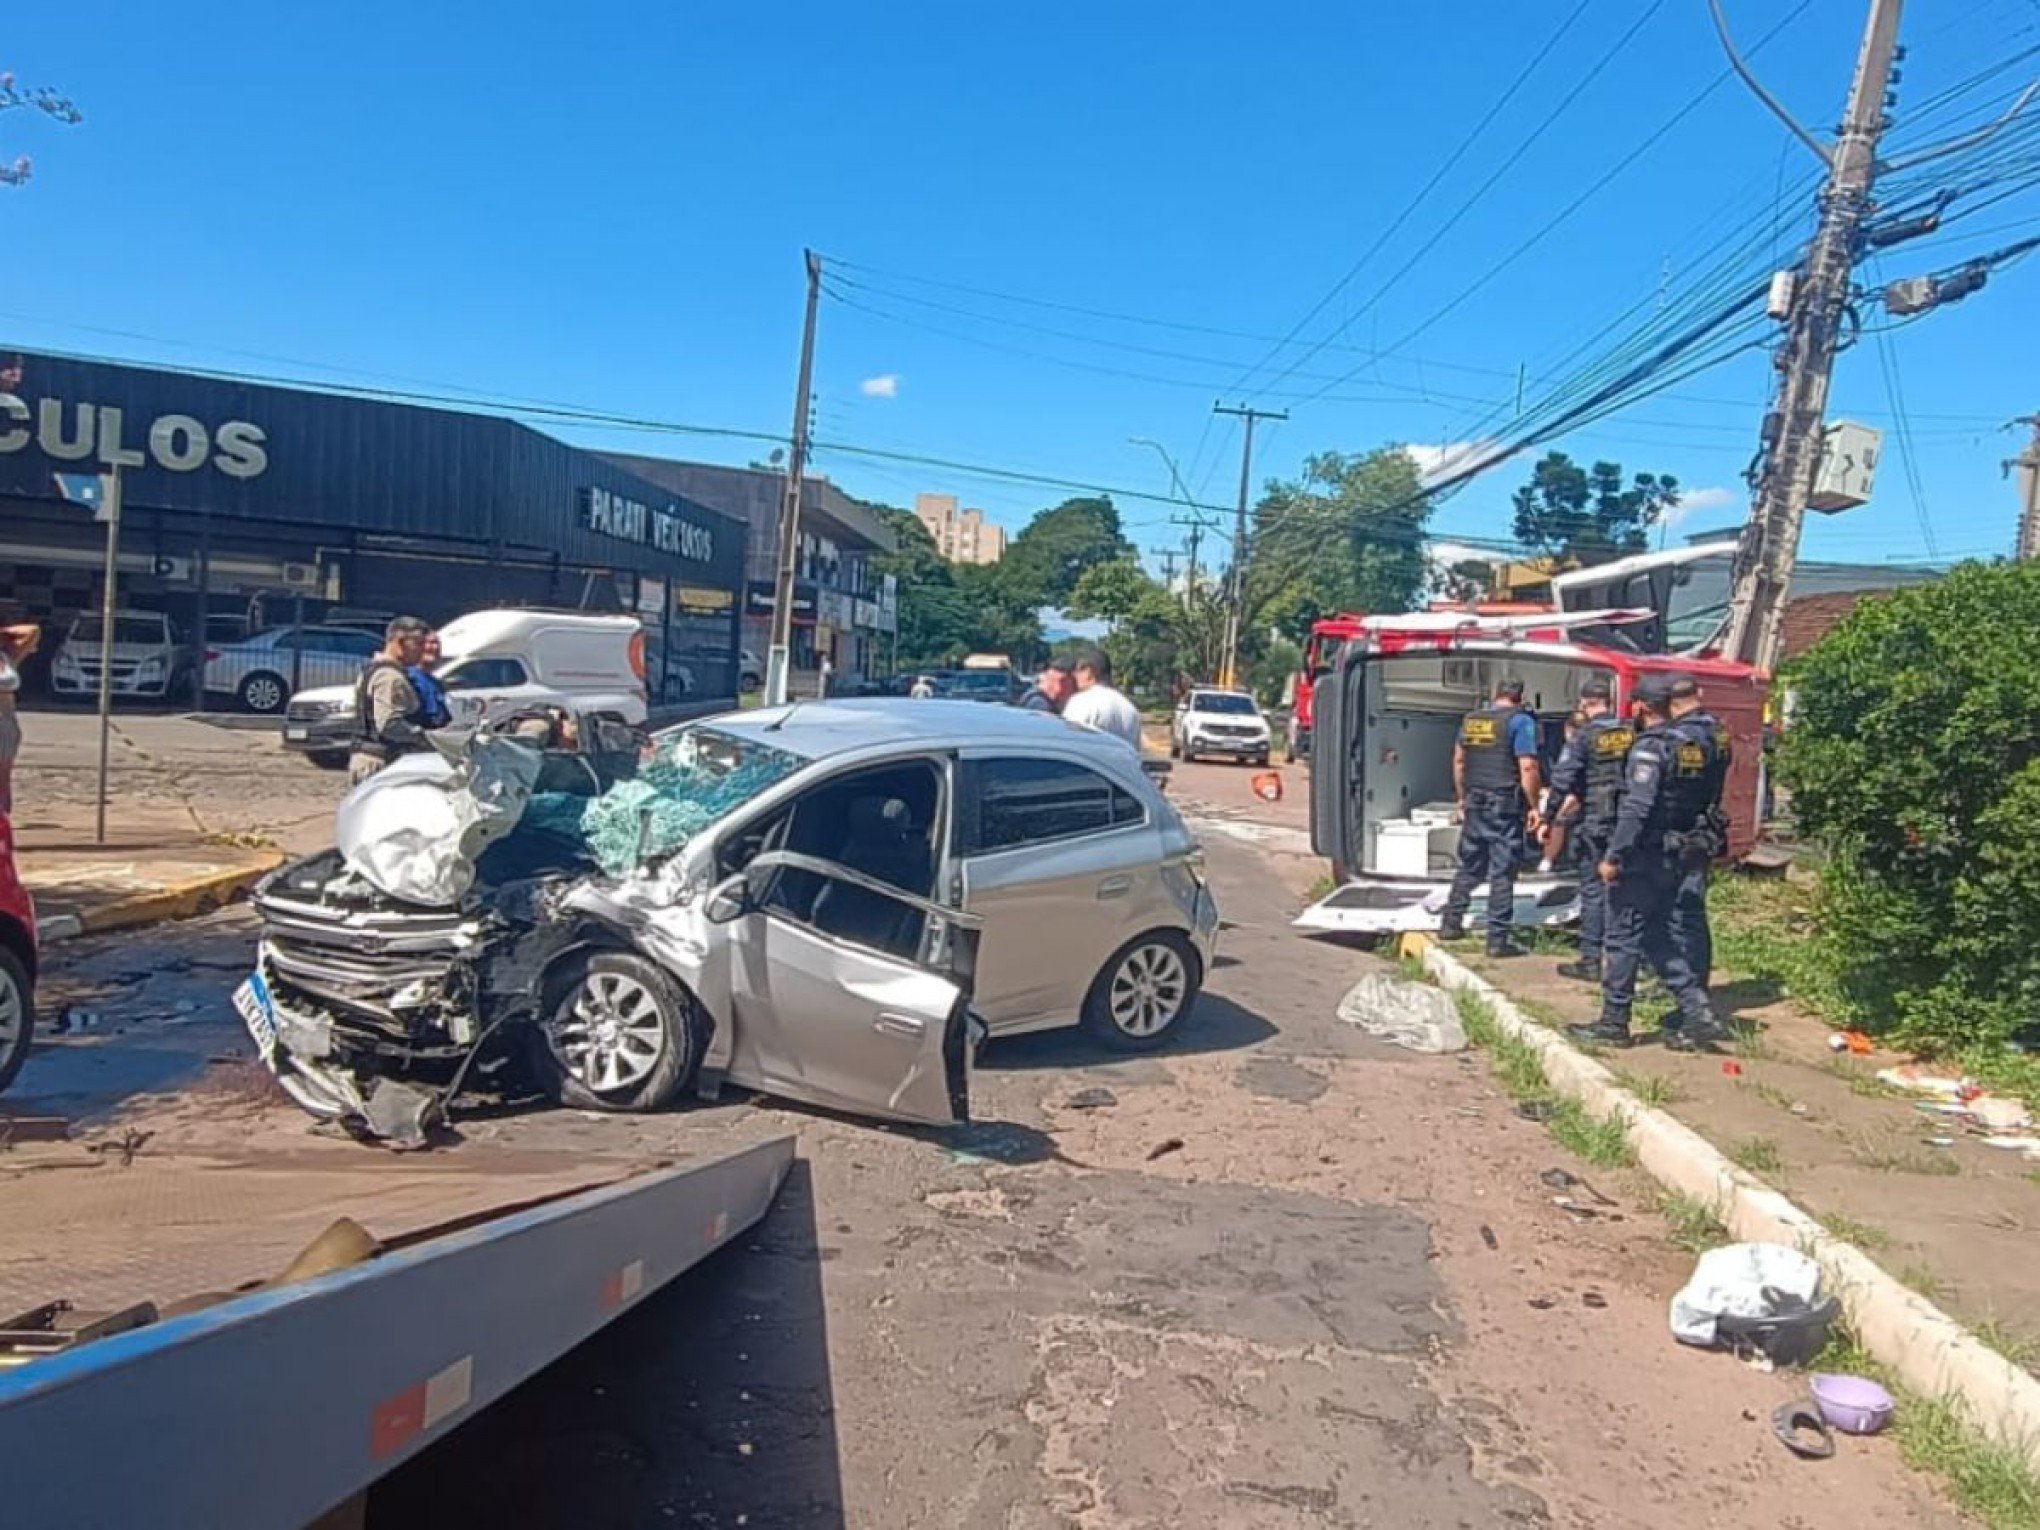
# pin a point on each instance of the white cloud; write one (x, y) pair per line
(1445, 554)
(1694, 501)
(1448, 457)
(885, 385)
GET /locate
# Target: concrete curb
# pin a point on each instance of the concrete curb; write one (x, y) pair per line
(176, 900)
(1929, 1351)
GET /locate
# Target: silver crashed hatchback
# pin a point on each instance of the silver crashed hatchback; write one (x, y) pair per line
(829, 901)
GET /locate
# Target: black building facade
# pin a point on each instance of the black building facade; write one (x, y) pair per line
(272, 504)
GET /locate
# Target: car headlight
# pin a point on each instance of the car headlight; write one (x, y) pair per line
(149, 669)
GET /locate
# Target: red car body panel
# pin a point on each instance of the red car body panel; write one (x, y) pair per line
(17, 908)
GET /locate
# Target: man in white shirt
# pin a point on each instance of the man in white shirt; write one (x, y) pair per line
(1097, 704)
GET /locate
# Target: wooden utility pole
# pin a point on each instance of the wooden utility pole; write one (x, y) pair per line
(2028, 464)
(1795, 429)
(1195, 527)
(779, 660)
(1168, 557)
(1236, 595)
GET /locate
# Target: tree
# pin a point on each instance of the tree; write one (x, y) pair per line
(1588, 515)
(1464, 580)
(1347, 536)
(50, 103)
(1913, 756)
(1044, 562)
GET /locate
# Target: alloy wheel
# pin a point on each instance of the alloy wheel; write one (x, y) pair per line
(1148, 989)
(612, 1035)
(262, 694)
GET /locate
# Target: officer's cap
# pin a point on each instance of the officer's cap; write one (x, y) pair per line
(1510, 688)
(1596, 689)
(1684, 686)
(1654, 690)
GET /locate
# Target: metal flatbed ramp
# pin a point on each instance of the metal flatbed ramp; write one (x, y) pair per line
(268, 1410)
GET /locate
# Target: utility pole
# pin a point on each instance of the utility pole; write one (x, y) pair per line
(1168, 557)
(779, 660)
(2028, 464)
(1195, 527)
(1795, 429)
(1237, 595)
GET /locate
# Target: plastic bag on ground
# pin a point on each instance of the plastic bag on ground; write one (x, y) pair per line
(1742, 1280)
(1413, 1015)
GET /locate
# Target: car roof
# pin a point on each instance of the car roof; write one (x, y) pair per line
(817, 729)
(1218, 690)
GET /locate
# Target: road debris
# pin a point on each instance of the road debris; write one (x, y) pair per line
(1761, 1298)
(1801, 1430)
(126, 1146)
(1487, 1236)
(1565, 1179)
(1853, 1404)
(1405, 1014)
(1165, 1148)
(1091, 1099)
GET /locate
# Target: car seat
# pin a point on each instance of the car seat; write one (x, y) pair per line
(881, 842)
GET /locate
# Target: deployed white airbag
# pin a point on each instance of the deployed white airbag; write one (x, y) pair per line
(415, 828)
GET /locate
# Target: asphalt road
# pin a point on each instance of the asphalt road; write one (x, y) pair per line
(1274, 1275)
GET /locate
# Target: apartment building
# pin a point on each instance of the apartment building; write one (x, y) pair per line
(961, 536)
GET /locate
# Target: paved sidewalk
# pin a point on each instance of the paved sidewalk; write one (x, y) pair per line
(145, 872)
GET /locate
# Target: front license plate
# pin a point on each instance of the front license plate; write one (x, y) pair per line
(297, 735)
(258, 1012)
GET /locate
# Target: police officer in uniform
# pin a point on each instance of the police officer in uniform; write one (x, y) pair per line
(1586, 786)
(389, 714)
(1704, 745)
(1661, 810)
(1496, 775)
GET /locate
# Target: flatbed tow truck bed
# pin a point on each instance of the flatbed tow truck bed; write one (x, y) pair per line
(244, 1400)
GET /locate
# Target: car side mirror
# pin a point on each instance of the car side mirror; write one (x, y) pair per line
(729, 899)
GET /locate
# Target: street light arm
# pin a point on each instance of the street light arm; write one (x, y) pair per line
(1735, 60)
(1967, 141)
(1175, 477)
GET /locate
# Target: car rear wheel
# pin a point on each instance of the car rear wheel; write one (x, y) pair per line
(17, 1016)
(264, 692)
(1143, 991)
(618, 1034)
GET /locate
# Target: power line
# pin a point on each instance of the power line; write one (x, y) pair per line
(1409, 208)
(1523, 147)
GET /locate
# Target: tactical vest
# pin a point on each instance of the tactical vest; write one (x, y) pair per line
(366, 740)
(1693, 778)
(1490, 764)
(1705, 727)
(1607, 749)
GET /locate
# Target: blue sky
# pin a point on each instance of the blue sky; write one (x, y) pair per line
(606, 204)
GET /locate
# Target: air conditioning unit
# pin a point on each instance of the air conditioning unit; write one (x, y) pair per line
(301, 576)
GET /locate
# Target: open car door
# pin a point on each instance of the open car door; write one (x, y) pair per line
(835, 1020)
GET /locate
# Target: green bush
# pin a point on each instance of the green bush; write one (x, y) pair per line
(1913, 755)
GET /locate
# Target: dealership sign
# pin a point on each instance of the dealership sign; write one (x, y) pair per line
(628, 520)
(180, 443)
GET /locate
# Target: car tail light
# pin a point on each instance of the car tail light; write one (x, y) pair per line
(637, 654)
(211, 654)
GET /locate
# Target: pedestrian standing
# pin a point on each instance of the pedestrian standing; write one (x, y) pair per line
(1586, 789)
(828, 674)
(1704, 745)
(923, 689)
(433, 710)
(1101, 705)
(16, 644)
(1051, 688)
(388, 714)
(1660, 809)
(1497, 779)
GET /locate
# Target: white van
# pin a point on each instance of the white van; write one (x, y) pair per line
(496, 662)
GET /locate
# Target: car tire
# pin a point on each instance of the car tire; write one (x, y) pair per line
(1261, 761)
(328, 759)
(1175, 747)
(1143, 992)
(593, 1068)
(749, 682)
(263, 692)
(17, 1016)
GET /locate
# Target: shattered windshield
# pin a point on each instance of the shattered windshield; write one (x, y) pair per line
(692, 779)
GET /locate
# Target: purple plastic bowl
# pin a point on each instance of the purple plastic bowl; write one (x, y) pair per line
(1852, 1404)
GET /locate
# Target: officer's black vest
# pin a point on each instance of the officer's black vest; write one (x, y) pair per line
(1703, 728)
(1490, 763)
(1689, 785)
(366, 740)
(1607, 740)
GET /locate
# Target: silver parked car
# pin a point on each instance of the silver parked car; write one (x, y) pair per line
(259, 670)
(796, 899)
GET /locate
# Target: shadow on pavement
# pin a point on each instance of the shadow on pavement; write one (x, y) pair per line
(1731, 999)
(711, 1404)
(1217, 1024)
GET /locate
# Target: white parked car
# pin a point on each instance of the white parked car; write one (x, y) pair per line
(259, 671)
(795, 899)
(148, 659)
(493, 663)
(1229, 723)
